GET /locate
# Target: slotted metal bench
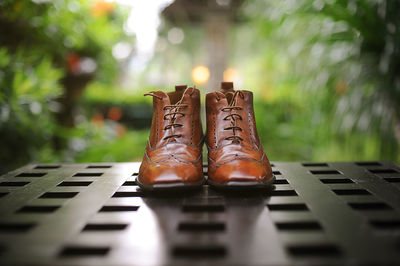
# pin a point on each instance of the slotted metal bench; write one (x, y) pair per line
(318, 213)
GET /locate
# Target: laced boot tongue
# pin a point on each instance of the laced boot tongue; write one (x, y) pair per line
(228, 90)
(233, 116)
(174, 111)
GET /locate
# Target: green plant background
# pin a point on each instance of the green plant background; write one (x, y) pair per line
(325, 75)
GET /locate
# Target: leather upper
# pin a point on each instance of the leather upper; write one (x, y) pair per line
(174, 149)
(235, 152)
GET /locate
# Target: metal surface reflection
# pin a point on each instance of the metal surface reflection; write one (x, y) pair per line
(317, 213)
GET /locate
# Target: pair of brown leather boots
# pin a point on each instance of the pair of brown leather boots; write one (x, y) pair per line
(173, 155)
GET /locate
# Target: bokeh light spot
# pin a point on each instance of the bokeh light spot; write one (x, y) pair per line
(175, 35)
(231, 74)
(200, 74)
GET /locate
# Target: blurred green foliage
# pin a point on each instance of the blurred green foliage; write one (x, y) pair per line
(98, 92)
(59, 28)
(325, 75)
(46, 45)
(26, 98)
(329, 76)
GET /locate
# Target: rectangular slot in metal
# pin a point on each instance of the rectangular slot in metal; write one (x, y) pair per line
(129, 183)
(369, 206)
(38, 209)
(347, 192)
(47, 166)
(368, 163)
(325, 172)
(199, 251)
(98, 166)
(58, 195)
(299, 226)
(201, 226)
(105, 227)
(82, 251)
(315, 164)
(74, 183)
(119, 208)
(278, 193)
(88, 174)
(16, 227)
(383, 171)
(287, 207)
(281, 182)
(386, 224)
(392, 179)
(127, 194)
(31, 175)
(314, 250)
(13, 184)
(336, 180)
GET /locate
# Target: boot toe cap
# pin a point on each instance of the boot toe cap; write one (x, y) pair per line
(242, 171)
(170, 173)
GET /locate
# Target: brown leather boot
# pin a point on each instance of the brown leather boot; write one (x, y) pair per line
(173, 155)
(235, 154)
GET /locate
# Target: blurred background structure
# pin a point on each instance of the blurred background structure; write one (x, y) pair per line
(325, 74)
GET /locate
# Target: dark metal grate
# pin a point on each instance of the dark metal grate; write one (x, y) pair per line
(317, 213)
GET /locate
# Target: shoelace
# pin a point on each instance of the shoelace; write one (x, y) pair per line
(173, 112)
(233, 106)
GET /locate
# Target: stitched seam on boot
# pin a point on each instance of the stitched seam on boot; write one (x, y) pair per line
(248, 125)
(217, 165)
(220, 147)
(156, 115)
(187, 144)
(191, 137)
(188, 162)
(215, 129)
(173, 158)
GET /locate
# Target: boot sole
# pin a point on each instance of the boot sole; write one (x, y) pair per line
(167, 187)
(242, 185)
